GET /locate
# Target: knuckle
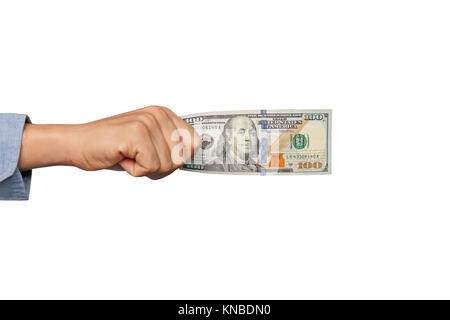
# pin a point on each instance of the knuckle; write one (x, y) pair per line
(158, 115)
(155, 166)
(164, 111)
(138, 127)
(147, 118)
(151, 167)
(159, 110)
(150, 108)
(165, 167)
(162, 108)
(156, 109)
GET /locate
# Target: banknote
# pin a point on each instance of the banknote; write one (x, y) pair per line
(262, 142)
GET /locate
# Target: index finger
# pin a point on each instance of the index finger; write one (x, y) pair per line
(180, 123)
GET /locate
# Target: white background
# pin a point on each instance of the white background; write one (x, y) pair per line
(377, 227)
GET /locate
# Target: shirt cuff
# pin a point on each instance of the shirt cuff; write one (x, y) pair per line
(14, 184)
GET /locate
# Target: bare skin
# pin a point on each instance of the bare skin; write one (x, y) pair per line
(139, 142)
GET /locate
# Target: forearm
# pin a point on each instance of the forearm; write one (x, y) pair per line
(46, 145)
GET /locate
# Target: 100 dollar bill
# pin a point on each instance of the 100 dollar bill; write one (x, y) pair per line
(262, 142)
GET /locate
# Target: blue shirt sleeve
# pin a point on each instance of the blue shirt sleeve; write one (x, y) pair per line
(14, 184)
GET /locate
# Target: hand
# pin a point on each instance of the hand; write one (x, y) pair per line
(151, 142)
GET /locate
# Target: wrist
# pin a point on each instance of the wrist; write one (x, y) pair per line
(46, 145)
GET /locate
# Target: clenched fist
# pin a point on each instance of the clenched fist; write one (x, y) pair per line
(151, 142)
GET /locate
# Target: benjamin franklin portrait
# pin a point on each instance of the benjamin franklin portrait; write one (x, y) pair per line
(238, 150)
